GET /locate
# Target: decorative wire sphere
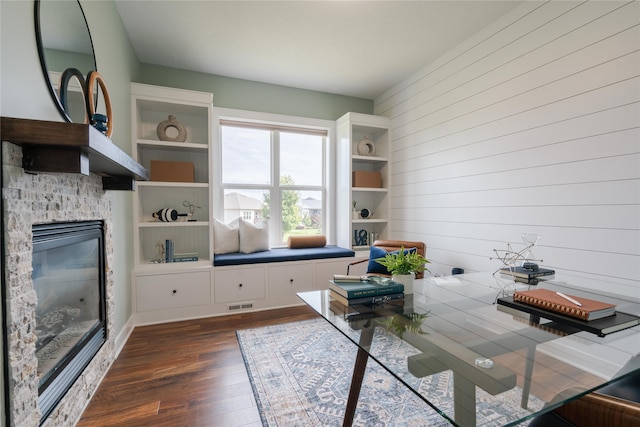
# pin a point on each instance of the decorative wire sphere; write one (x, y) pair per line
(530, 240)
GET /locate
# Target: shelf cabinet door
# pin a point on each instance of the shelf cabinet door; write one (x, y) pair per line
(166, 291)
(239, 284)
(287, 280)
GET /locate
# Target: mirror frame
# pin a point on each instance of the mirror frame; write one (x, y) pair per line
(52, 91)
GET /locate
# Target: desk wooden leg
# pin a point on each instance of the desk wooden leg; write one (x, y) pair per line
(366, 336)
(528, 374)
(528, 368)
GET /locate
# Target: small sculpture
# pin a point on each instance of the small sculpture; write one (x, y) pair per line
(167, 215)
(192, 209)
(173, 123)
(360, 237)
(366, 147)
(510, 258)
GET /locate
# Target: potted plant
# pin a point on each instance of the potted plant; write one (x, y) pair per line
(403, 265)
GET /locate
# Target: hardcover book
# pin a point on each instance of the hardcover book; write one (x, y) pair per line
(524, 273)
(185, 257)
(377, 299)
(364, 289)
(601, 327)
(345, 278)
(169, 249)
(552, 301)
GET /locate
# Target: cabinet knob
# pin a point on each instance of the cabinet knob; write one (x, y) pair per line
(239, 285)
(173, 292)
(291, 281)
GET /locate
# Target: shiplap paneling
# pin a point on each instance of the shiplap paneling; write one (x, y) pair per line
(531, 126)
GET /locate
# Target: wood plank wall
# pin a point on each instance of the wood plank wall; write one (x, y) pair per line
(531, 126)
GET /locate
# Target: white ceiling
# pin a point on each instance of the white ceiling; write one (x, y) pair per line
(354, 48)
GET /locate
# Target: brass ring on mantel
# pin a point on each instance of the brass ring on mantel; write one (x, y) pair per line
(92, 78)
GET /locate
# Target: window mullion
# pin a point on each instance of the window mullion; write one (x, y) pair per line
(275, 222)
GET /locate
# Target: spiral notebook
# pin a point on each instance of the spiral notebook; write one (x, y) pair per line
(552, 301)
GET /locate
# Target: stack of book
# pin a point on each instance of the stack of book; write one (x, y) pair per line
(522, 274)
(356, 290)
(598, 317)
(171, 256)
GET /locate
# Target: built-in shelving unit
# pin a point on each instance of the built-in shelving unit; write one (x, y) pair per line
(150, 106)
(352, 128)
(172, 291)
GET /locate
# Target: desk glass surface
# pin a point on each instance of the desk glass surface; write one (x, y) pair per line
(490, 349)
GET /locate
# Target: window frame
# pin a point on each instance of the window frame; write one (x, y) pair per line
(283, 123)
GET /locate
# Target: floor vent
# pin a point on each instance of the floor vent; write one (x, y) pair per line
(244, 306)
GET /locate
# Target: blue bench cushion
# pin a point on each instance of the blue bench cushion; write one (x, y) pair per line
(281, 254)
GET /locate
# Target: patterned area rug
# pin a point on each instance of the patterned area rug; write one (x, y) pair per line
(301, 372)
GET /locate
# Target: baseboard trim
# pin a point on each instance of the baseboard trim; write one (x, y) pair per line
(123, 336)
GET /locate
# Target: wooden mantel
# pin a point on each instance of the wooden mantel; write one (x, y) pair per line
(60, 147)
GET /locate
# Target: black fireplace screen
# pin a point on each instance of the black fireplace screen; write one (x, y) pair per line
(68, 277)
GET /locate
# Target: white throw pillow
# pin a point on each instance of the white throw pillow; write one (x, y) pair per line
(226, 237)
(253, 238)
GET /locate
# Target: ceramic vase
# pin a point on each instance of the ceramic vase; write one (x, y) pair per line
(179, 131)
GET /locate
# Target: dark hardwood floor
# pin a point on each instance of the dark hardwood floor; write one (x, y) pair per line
(188, 373)
(191, 373)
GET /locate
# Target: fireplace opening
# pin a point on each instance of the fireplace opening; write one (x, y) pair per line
(69, 280)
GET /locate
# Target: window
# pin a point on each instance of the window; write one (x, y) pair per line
(274, 173)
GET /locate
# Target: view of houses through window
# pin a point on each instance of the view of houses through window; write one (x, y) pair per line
(276, 175)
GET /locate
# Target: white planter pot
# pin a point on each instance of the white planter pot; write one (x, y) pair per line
(406, 280)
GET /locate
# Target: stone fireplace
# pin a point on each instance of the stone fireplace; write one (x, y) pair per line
(31, 200)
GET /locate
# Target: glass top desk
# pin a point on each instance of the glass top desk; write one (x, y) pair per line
(455, 325)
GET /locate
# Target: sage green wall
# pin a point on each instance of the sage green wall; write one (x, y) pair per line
(118, 64)
(59, 60)
(25, 95)
(254, 96)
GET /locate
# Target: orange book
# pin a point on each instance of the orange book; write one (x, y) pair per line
(550, 300)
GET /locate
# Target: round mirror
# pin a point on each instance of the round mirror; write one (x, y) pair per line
(66, 55)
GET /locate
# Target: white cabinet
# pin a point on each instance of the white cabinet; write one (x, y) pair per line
(287, 280)
(152, 105)
(177, 290)
(352, 128)
(165, 290)
(239, 284)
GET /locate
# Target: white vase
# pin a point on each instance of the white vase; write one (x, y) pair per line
(406, 280)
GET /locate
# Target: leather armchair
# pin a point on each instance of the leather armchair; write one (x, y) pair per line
(614, 405)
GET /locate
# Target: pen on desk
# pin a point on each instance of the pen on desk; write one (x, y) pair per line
(568, 298)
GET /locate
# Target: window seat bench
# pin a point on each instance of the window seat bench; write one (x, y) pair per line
(236, 283)
(281, 255)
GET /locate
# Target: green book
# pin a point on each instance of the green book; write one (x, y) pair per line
(364, 289)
